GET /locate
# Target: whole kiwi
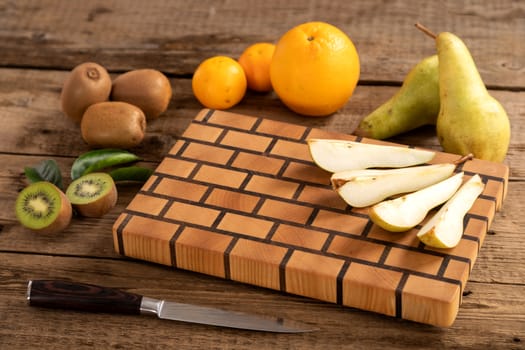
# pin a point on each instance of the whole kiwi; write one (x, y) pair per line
(86, 84)
(93, 195)
(148, 89)
(43, 207)
(113, 124)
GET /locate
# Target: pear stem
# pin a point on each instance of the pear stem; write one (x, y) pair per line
(463, 159)
(426, 30)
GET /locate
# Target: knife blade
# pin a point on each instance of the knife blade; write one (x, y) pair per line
(92, 298)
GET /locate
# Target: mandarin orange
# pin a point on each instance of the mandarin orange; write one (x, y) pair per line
(255, 60)
(219, 82)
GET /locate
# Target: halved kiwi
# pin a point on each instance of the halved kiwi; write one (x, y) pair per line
(43, 207)
(93, 195)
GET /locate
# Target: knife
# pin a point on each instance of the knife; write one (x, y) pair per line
(92, 298)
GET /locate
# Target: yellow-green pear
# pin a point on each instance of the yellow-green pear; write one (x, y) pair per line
(415, 104)
(470, 120)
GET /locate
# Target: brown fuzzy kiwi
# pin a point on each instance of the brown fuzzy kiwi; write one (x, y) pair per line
(113, 124)
(43, 207)
(148, 89)
(87, 83)
(93, 195)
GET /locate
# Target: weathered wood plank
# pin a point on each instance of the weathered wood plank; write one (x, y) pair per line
(485, 306)
(499, 261)
(176, 36)
(30, 110)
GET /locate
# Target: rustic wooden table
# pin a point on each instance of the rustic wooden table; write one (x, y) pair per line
(40, 41)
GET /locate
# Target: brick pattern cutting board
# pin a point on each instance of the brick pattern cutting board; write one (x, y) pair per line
(239, 197)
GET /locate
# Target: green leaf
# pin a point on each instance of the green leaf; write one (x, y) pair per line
(99, 159)
(47, 170)
(131, 173)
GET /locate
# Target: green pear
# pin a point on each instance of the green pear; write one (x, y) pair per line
(469, 120)
(415, 104)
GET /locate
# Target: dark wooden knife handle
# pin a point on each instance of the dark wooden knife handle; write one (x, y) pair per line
(83, 297)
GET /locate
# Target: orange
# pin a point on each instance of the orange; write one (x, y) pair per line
(219, 82)
(255, 60)
(314, 69)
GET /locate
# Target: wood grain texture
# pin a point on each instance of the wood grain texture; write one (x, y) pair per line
(346, 328)
(176, 36)
(30, 107)
(41, 41)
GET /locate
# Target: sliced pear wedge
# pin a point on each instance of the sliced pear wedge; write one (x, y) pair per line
(362, 188)
(445, 228)
(403, 213)
(340, 155)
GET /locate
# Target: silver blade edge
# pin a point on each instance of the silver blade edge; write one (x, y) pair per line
(218, 317)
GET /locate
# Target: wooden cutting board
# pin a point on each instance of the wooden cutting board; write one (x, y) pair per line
(239, 197)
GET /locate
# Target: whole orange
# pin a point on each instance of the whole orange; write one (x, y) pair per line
(219, 82)
(255, 60)
(314, 69)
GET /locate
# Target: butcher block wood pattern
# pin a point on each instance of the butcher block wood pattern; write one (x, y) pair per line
(238, 197)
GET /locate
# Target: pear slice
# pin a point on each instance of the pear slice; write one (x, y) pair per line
(403, 213)
(445, 228)
(339, 155)
(365, 187)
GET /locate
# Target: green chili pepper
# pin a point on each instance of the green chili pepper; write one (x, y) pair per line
(99, 159)
(131, 173)
(47, 170)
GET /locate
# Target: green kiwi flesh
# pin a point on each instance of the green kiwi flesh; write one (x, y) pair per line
(93, 195)
(43, 207)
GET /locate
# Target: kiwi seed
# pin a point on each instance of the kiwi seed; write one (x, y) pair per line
(93, 195)
(43, 207)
